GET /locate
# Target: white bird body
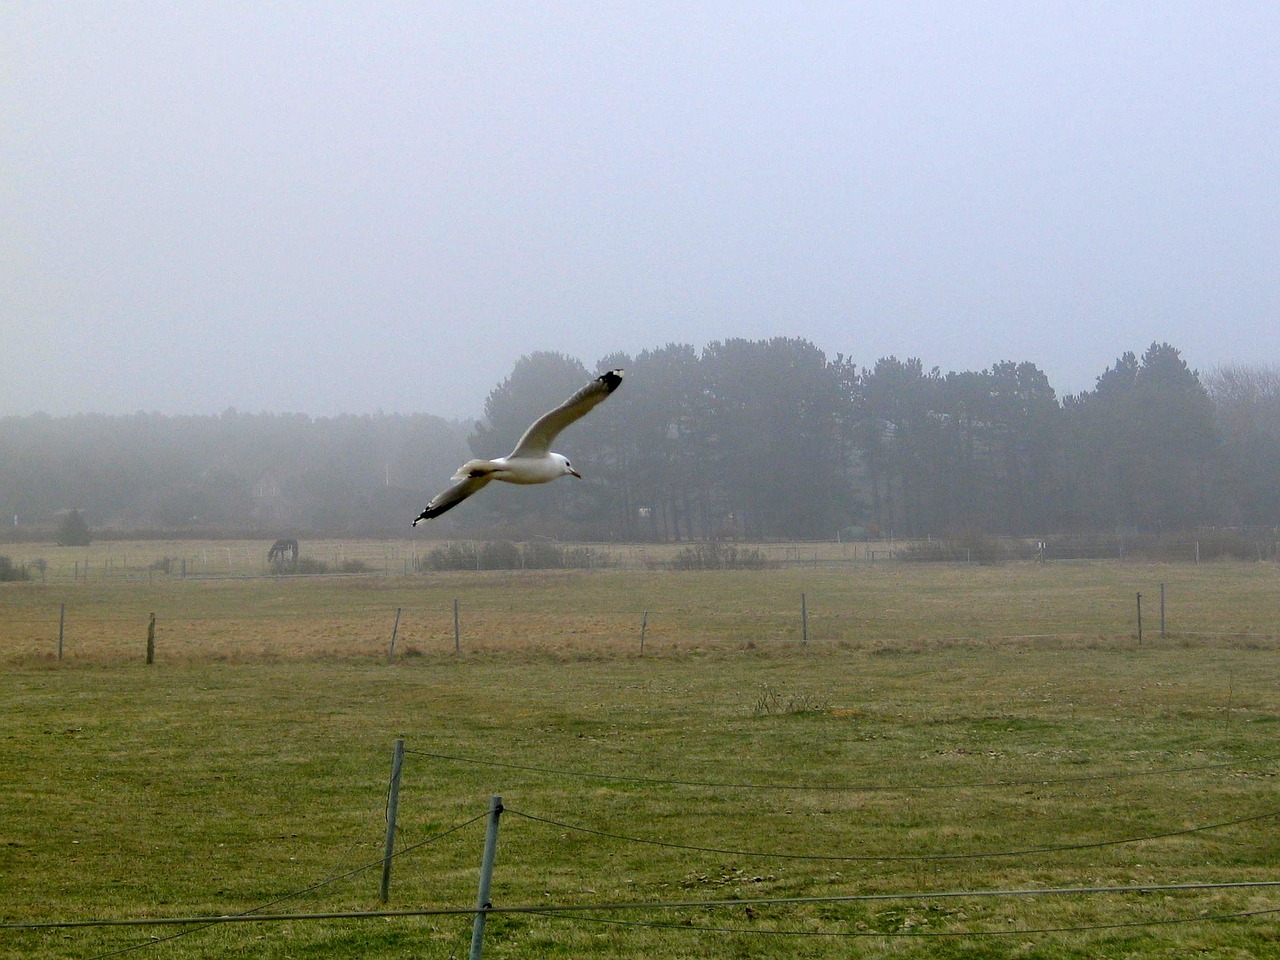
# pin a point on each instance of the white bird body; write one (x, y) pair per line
(518, 469)
(532, 461)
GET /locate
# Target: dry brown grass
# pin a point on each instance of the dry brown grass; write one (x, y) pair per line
(888, 608)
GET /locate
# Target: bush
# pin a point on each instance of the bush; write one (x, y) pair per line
(969, 547)
(302, 565)
(10, 572)
(72, 531)
(715, 556)
(505, 555)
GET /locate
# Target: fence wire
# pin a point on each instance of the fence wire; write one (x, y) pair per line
(894, 857)
(843, 787)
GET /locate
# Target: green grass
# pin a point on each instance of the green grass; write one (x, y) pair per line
(960, 710)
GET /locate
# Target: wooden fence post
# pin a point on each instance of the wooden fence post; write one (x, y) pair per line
(62, 620)
(394, 627)
(457, 632)
(644, 626)
(151, 640)
(393, 804)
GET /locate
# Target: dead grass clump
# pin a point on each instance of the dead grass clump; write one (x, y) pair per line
(772, 702)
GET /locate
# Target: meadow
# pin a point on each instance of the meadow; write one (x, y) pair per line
(946, 734)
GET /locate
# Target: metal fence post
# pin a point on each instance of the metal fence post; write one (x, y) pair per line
(393, 804)
(486, 876)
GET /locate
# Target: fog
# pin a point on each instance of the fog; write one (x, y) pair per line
(328, 208)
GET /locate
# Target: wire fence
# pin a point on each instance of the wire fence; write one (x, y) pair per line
(158, 561)
(74, 630)
(767, 914)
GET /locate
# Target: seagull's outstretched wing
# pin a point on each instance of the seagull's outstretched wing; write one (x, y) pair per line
(537, 440)
(449, 498)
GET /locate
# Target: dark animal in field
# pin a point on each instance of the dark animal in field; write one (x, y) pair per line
(280, 548)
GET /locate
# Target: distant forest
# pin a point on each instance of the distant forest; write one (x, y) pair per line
(744, 439)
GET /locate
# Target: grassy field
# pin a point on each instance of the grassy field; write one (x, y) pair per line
(946, 729)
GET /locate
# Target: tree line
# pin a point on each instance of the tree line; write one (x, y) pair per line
(741, 439)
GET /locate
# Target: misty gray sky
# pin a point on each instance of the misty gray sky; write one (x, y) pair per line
(332, 207)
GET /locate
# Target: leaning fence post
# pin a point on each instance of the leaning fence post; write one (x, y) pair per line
(486, 876)
(393, 804)
(394, 627)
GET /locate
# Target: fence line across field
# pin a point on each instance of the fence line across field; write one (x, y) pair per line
(405, 558)
(149, 622)
(398, 621)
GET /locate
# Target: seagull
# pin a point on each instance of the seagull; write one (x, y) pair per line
(532, 460)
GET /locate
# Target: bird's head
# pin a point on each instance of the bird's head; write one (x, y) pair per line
(566, 466)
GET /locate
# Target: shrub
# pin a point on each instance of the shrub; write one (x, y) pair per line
(72, 531)
(505, 555)
(715, 556)
(303, 565)
(968, 547)
(10, 572)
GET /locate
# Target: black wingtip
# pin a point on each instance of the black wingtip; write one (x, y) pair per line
(611, 379)
(430, 513)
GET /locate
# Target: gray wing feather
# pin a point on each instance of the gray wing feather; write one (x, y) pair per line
(451, 497)
(542, 432)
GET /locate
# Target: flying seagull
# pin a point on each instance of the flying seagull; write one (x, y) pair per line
(532, 460)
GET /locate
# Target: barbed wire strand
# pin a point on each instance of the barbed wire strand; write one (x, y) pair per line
(848, 787)
(250, 917)
(207, 923)
(1022, 931)
(770, 855)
